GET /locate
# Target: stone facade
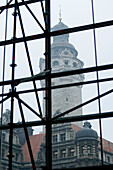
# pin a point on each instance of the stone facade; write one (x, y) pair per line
(74, 147)
(18, 157)
(64, 58)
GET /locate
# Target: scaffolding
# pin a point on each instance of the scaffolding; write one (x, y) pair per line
(46, 75)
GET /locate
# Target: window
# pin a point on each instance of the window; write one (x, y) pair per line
(52, 83)
(55, 154)
(16, 157)
(3, 136)
(63, 153)
(66, 53)
(88, 149)
(55, 63)
(3, 153)
(74, 64)
(55, 138)
(84, 149)
(66, 99)
(94, 150)
(71, 134)
(108, 158)
(62, 137)
(16, 139)
(71, 152)
(66, 62)
(78, 150)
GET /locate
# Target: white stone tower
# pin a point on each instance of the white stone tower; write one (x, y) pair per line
(64, 58)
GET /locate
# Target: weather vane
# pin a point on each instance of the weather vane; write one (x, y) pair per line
(60, 18)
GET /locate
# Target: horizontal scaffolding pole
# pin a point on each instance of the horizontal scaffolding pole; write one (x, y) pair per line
(65, 86)
(83, 117)
(19, 4)
(60, 120)
(59, 32)
(61, 86)
(44, 75)
(82, 104)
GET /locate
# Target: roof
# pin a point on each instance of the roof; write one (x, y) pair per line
(75, 127)
(107, 145)
(35, 141)
(59, 26)
(86, 133)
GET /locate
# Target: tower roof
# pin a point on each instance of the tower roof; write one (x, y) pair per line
(59, 26)
(86, 133)
(60, 38)
(62, 41)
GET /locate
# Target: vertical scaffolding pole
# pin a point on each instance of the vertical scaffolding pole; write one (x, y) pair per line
(48, 92)
(3, 77)
(12, 90)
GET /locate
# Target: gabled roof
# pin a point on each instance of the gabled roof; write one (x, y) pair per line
(35, 141)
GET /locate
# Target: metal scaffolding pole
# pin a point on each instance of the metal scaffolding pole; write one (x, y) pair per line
(12, 90)
(48, 84)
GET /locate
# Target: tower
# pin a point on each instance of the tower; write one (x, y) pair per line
(87, 146)
(64, 57)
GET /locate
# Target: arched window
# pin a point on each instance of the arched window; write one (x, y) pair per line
(55, 63)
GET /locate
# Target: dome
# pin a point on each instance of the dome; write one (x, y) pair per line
(60, 38)
(86, 133)
(61, 42)
(59, 26)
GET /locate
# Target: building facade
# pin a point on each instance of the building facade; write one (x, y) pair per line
(72, 147)
(18, 156)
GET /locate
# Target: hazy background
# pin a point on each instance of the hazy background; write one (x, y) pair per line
(74, 13)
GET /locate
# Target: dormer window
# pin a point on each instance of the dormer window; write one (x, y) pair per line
(66, 53)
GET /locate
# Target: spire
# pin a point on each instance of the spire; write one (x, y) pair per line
(60, 18)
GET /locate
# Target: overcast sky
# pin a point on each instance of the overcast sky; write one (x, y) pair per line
(74, 13)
